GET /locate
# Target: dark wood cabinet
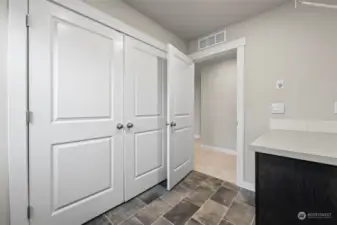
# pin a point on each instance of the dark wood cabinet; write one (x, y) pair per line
(295, 192)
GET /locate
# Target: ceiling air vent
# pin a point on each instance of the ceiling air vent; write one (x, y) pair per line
(211, 40)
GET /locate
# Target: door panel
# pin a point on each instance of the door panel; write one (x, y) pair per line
(76, 152)
(145, 142)
(180, 78)
(73, 48)
(72, 185)
(146, 146)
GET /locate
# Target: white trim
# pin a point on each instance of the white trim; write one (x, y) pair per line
(94, 14)
(218, 149)
(196, 136)
(240, 139)
(17, 105)
(315, 4)
(219, 50)
(247, 185)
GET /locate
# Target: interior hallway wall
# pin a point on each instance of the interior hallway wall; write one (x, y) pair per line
(4, 205)
(218, 104)
(298, 46)
(120, 10)
(197, 103)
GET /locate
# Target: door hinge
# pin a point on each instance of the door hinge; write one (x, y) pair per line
(29, 116)
(27, 21)
(29, 212)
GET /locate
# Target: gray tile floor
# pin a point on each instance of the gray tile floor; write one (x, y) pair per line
(197, 200)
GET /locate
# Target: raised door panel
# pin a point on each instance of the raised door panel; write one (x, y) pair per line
(148, 84)
(145, 142)
(147, 156)
(82, 70)
(80, 170)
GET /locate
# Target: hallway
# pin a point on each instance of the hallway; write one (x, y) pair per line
(213, 163)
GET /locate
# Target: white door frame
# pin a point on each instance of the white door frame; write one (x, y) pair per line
(17, 106)
(17, 68)
(218, 51)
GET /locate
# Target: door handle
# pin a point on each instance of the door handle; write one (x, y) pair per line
(129, 125)
(173, 124)
(120, 126)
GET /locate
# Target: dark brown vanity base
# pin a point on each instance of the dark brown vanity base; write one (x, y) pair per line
(295, 192)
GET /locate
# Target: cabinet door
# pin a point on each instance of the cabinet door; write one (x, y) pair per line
(180, 84)
(144, 110)
(76, 85)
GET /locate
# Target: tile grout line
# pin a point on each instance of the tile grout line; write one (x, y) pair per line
(223, 217)
(253, 220)
(133, 214)
(209, 198)
(108, 219)
(225, 213)
(147, 205)
(185, 197)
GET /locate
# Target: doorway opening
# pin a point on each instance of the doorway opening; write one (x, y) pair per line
(216, 117)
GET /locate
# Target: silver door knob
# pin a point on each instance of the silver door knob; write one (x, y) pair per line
(120, 126)
(173, 124)
(129, 125)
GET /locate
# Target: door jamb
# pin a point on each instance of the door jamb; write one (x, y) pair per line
(216, 51)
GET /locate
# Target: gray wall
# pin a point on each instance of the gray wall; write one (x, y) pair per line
(197, 102)
(132, 17)
(298, 46)
(218, 104)
(4, 207)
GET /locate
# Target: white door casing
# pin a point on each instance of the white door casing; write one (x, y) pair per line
(144, 98)
(180, 85)
(76, 151)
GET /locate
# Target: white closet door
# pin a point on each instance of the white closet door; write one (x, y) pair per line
(76, 151)
(180, 149)
(145, 131)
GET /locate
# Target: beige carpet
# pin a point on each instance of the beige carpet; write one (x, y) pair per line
(216, 164)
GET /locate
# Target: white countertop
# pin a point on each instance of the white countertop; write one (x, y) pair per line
(304, 145)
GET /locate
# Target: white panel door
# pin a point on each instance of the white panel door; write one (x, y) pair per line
(76, 85)
(145, 131)
(180, 82)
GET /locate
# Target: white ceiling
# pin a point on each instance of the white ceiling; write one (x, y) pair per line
(190, 19)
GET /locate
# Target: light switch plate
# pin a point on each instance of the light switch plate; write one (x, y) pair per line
(335, 107)
(277, 108)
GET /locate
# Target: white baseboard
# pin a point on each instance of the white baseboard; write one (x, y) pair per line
(219, 149)
(196, 136)
(246, 185)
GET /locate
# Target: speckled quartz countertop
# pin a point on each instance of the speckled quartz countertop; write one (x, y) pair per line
(303, 145)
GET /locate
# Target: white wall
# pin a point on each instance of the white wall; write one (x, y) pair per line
(218, 104)
(132, 17)
(4, 207)
(197, 102)
(298, 46)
